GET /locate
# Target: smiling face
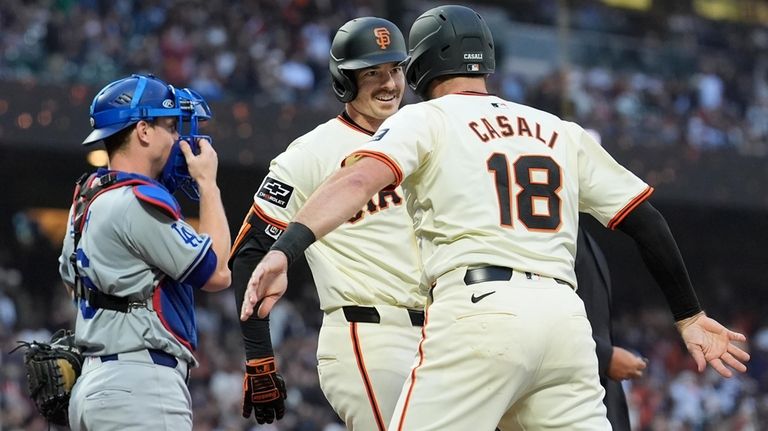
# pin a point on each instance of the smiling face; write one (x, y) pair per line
(379, 93)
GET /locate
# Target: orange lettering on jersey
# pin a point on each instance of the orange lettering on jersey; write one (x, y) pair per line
(552, 140)
(382, 37)
(355, 218)
(371, 207)
(382, 202)
(506, 128)
(491, 131)
(387, 196)
(538, 134)
(522, 127)
(474, 126)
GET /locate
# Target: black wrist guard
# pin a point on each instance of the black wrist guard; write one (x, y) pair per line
(296, 238)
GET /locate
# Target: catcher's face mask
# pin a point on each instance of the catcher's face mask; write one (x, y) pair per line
(127, 101)
(175, 173)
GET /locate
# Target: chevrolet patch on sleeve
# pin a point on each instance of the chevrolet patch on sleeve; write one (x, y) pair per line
(275, 192)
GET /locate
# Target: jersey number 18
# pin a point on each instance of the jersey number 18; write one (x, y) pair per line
(538, 203)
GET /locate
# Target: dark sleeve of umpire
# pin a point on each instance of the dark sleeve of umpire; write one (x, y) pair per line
(594, 281)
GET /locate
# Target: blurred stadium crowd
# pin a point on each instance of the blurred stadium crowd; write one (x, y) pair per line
(670, 80)
(674, 81)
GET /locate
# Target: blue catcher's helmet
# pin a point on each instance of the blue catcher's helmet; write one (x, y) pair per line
(127, 101)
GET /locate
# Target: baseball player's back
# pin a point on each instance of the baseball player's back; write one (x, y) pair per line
(501, 231)
(518, 175)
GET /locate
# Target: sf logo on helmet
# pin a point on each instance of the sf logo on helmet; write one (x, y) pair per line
(382, 37)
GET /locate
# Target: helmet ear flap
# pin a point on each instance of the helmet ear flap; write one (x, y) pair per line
(343, 86)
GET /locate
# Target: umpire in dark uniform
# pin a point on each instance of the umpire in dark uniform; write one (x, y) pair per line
(615, 364)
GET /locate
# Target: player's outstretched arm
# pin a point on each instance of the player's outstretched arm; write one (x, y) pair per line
(333, 203)
(268, 283)
(343, 194)
(707, 340)
(264, 390)
(710, 342)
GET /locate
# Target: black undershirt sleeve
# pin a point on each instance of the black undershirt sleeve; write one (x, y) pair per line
(661, 255)
(255, 331)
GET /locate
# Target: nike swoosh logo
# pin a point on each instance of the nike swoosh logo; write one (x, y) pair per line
(476, 299)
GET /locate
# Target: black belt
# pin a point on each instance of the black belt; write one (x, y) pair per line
(97, 299)
(159, 357)
(498, 273)
(354, 313)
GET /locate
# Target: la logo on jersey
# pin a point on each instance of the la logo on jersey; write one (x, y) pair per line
(187, 236)
(382, 37)
(275, 192)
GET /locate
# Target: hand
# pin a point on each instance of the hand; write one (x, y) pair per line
(267, 284)
(202, 167)
(710, 342)
(625, 365)
(263, 391)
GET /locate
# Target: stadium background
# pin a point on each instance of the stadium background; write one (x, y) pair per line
(677, 90)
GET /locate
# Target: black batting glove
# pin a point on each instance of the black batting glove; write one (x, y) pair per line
(263, 390)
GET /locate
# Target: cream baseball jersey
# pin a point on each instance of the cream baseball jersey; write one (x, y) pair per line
(491, 182)
(373, 257)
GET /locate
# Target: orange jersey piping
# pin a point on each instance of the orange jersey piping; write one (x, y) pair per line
(391, 164)
(353, 126)
(366, 380)
(621, 215)
(246, 227)
(413, 371)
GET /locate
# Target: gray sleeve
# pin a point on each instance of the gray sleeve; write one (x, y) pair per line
(173, 246)
(65, 268)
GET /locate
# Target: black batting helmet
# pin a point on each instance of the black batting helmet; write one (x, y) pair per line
(361, 43)
(448, 40)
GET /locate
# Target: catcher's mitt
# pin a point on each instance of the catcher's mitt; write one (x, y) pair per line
(52, 369)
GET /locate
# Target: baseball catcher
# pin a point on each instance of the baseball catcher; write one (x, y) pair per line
(135, 264)
(52, 369)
